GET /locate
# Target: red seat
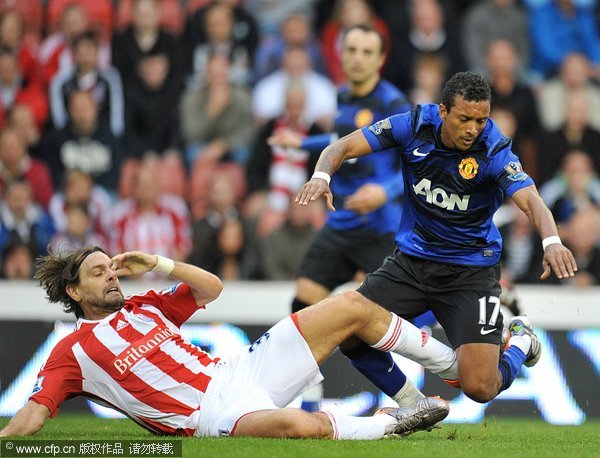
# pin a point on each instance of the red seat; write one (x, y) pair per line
(100, 14)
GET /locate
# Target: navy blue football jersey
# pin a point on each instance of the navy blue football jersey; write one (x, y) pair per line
(450, 196)
(384, 168)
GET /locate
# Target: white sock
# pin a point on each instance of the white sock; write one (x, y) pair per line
(523, 343)
(361, 428)
(408, 394)
(404, 338)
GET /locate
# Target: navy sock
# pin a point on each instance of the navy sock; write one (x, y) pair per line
(510, 363)
(381, 370)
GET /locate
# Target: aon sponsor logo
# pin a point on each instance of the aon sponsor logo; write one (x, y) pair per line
(439, 197)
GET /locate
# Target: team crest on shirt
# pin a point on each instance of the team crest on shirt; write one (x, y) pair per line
(515, 171)
(38, 385)
(363, 118)
(468, 168)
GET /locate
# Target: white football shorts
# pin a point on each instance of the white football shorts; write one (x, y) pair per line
(268, 374)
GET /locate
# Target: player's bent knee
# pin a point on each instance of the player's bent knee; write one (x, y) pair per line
(304, 425)
(478, 390)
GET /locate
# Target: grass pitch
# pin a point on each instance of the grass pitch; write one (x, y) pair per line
(492, 438)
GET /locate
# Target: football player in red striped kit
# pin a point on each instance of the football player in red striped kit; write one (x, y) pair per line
(128, 353)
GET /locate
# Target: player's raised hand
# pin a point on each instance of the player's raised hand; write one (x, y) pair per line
(133, 263)
(314, 189)
(369, 197)
(558, 259)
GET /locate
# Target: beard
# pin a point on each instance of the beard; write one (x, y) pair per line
(106, 305)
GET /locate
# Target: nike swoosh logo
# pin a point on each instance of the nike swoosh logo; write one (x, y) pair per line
(416, 152)
(391, 367)
(485, 332)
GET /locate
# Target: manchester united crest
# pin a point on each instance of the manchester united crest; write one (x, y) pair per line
(363, 118)
(468, 168)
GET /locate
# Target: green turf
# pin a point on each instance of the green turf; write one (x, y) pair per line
(493, 438)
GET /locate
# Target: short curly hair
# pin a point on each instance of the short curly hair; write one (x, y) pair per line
(468, 85)
(57, 271)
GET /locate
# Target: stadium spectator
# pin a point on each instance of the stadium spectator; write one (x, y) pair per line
(22, 120)
(522, 251)
(575, 75)
(296, 30)
(275, 172)
(152, 124)
(245, 29)
(510, 90)
(446, 242)
(104, 84)
(271, 14)
(574, 188)
(245, 394)
(12, 36)
(208, 235)
(143, 37)
(557, 29)
(347, 13)
(24, 221)
(284, 248)
(17, 164)
(431, 31)
(79, 231)
(268, 96)
(86, 143)
(56, 55)
(151, 219)
(575, 133)
(429, 74)
(216, 118)
(15, 88)
(582, 234)
(221, 41)
(17, 262)
(78, 188)
(491, 20)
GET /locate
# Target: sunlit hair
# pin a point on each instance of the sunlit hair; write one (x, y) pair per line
(57, 271)
(468, 85)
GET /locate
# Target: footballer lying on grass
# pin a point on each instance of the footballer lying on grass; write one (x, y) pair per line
(128, 353)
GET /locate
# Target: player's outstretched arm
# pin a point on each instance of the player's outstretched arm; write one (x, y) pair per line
(331, 159)
(205, 286)
(557, 257)
(27, 421)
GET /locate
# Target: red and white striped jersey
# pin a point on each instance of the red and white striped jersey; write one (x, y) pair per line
(136, 361)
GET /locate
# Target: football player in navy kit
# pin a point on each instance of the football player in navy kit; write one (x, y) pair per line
(457, 169)
(367, 191)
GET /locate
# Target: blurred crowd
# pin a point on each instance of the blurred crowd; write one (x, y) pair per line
(144, 124)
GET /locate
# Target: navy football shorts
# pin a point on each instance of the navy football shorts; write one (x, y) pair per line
(334, 256)
(464, 299)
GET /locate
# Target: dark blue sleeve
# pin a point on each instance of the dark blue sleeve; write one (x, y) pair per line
(508, 172)
(389, 132)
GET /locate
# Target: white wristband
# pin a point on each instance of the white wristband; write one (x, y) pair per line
(164, 265)
(550, 240)
(322, 176)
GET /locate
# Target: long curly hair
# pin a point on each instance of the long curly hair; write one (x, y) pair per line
(57, 271)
